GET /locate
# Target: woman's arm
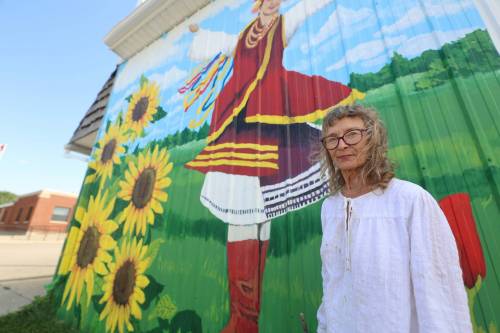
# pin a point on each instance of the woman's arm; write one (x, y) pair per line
(440, 297)
(207, 44)
(297, 15)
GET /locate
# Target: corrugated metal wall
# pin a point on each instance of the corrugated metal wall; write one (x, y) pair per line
(206, 131)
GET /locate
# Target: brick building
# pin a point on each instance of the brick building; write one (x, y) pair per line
(42, 211)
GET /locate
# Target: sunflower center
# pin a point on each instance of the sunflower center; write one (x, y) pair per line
(124, 283)
(108, 151)
(88, 247)
(143, 188)
(140, 109)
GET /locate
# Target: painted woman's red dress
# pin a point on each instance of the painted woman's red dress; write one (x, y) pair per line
(259, 125)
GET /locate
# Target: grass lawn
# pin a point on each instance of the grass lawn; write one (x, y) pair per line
(37, 317)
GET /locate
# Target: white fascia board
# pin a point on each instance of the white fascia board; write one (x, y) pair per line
(121, 38)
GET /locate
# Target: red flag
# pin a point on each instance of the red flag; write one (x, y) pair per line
(3, 147)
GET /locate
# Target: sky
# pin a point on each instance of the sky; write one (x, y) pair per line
(53, 62)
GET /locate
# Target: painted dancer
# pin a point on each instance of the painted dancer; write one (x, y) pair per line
(256, 161)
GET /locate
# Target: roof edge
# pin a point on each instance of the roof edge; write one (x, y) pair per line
(142, 14)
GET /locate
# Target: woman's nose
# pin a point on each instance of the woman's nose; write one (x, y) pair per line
(342, 144)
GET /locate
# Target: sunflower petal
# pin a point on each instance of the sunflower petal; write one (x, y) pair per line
(142, 281)
(139, 295)
(107, 242)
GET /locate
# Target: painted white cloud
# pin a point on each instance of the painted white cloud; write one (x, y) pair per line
(377, 61)
(168, 47)
(152, 56)
(169, 78)
(174, 99)
(367, 51)
(377, 52)
(351, 21)
(434, 40)
(420, 12)
(218, 6)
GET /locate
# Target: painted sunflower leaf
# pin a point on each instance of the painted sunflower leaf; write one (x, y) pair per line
(77, 313)
(98, 284)
(165, 308)
(153, 290)
(152, 315)
(90, 178)
(154, 248)
(119, 118)
(55, 284)
(144, 80)
(160, 113)
(95, 302)
(108, 124)
(114, 186)
(128, 98)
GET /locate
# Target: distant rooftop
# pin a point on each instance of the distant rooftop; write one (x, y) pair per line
(85, 134)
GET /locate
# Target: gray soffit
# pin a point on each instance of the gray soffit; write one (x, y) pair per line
(83, 138)
(147, 23)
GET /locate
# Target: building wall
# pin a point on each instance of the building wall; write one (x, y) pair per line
(41, 204)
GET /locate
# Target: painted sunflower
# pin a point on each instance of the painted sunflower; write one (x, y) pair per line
(107, 154)
(144, 188)
(142, 108)
(87, 248)
(123, 286)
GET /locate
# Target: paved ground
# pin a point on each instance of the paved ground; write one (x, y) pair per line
(17, 293)
(26, 266)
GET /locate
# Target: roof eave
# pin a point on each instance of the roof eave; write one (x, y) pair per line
(147, 23)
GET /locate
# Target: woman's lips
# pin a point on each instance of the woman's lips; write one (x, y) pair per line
(344, 157)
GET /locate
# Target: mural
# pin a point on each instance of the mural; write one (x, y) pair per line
(200, 208)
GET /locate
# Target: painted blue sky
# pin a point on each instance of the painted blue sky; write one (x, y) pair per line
(344, 37)
(53, 62)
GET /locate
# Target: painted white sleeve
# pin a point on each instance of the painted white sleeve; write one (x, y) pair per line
(321, 315)
(297, 15)
(440, 297)
(207, 44)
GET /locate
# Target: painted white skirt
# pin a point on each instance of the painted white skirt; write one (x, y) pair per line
(241, 200)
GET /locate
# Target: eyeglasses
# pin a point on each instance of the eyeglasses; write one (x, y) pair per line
(350, 138)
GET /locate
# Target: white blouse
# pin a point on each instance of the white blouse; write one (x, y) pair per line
(390, 264)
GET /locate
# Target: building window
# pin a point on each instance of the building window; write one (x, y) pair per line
(19, 213)
(60, 214)
(28, 216)
(2, 213)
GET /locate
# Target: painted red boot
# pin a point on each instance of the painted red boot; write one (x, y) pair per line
(245, 261)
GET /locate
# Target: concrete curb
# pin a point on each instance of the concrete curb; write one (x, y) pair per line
(26, 278)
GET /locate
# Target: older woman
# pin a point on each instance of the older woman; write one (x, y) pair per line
(389, 259)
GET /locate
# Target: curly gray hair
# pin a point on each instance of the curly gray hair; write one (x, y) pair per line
(378, 169)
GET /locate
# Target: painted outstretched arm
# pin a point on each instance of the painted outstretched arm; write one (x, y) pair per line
(207, 44)
(298, 14)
